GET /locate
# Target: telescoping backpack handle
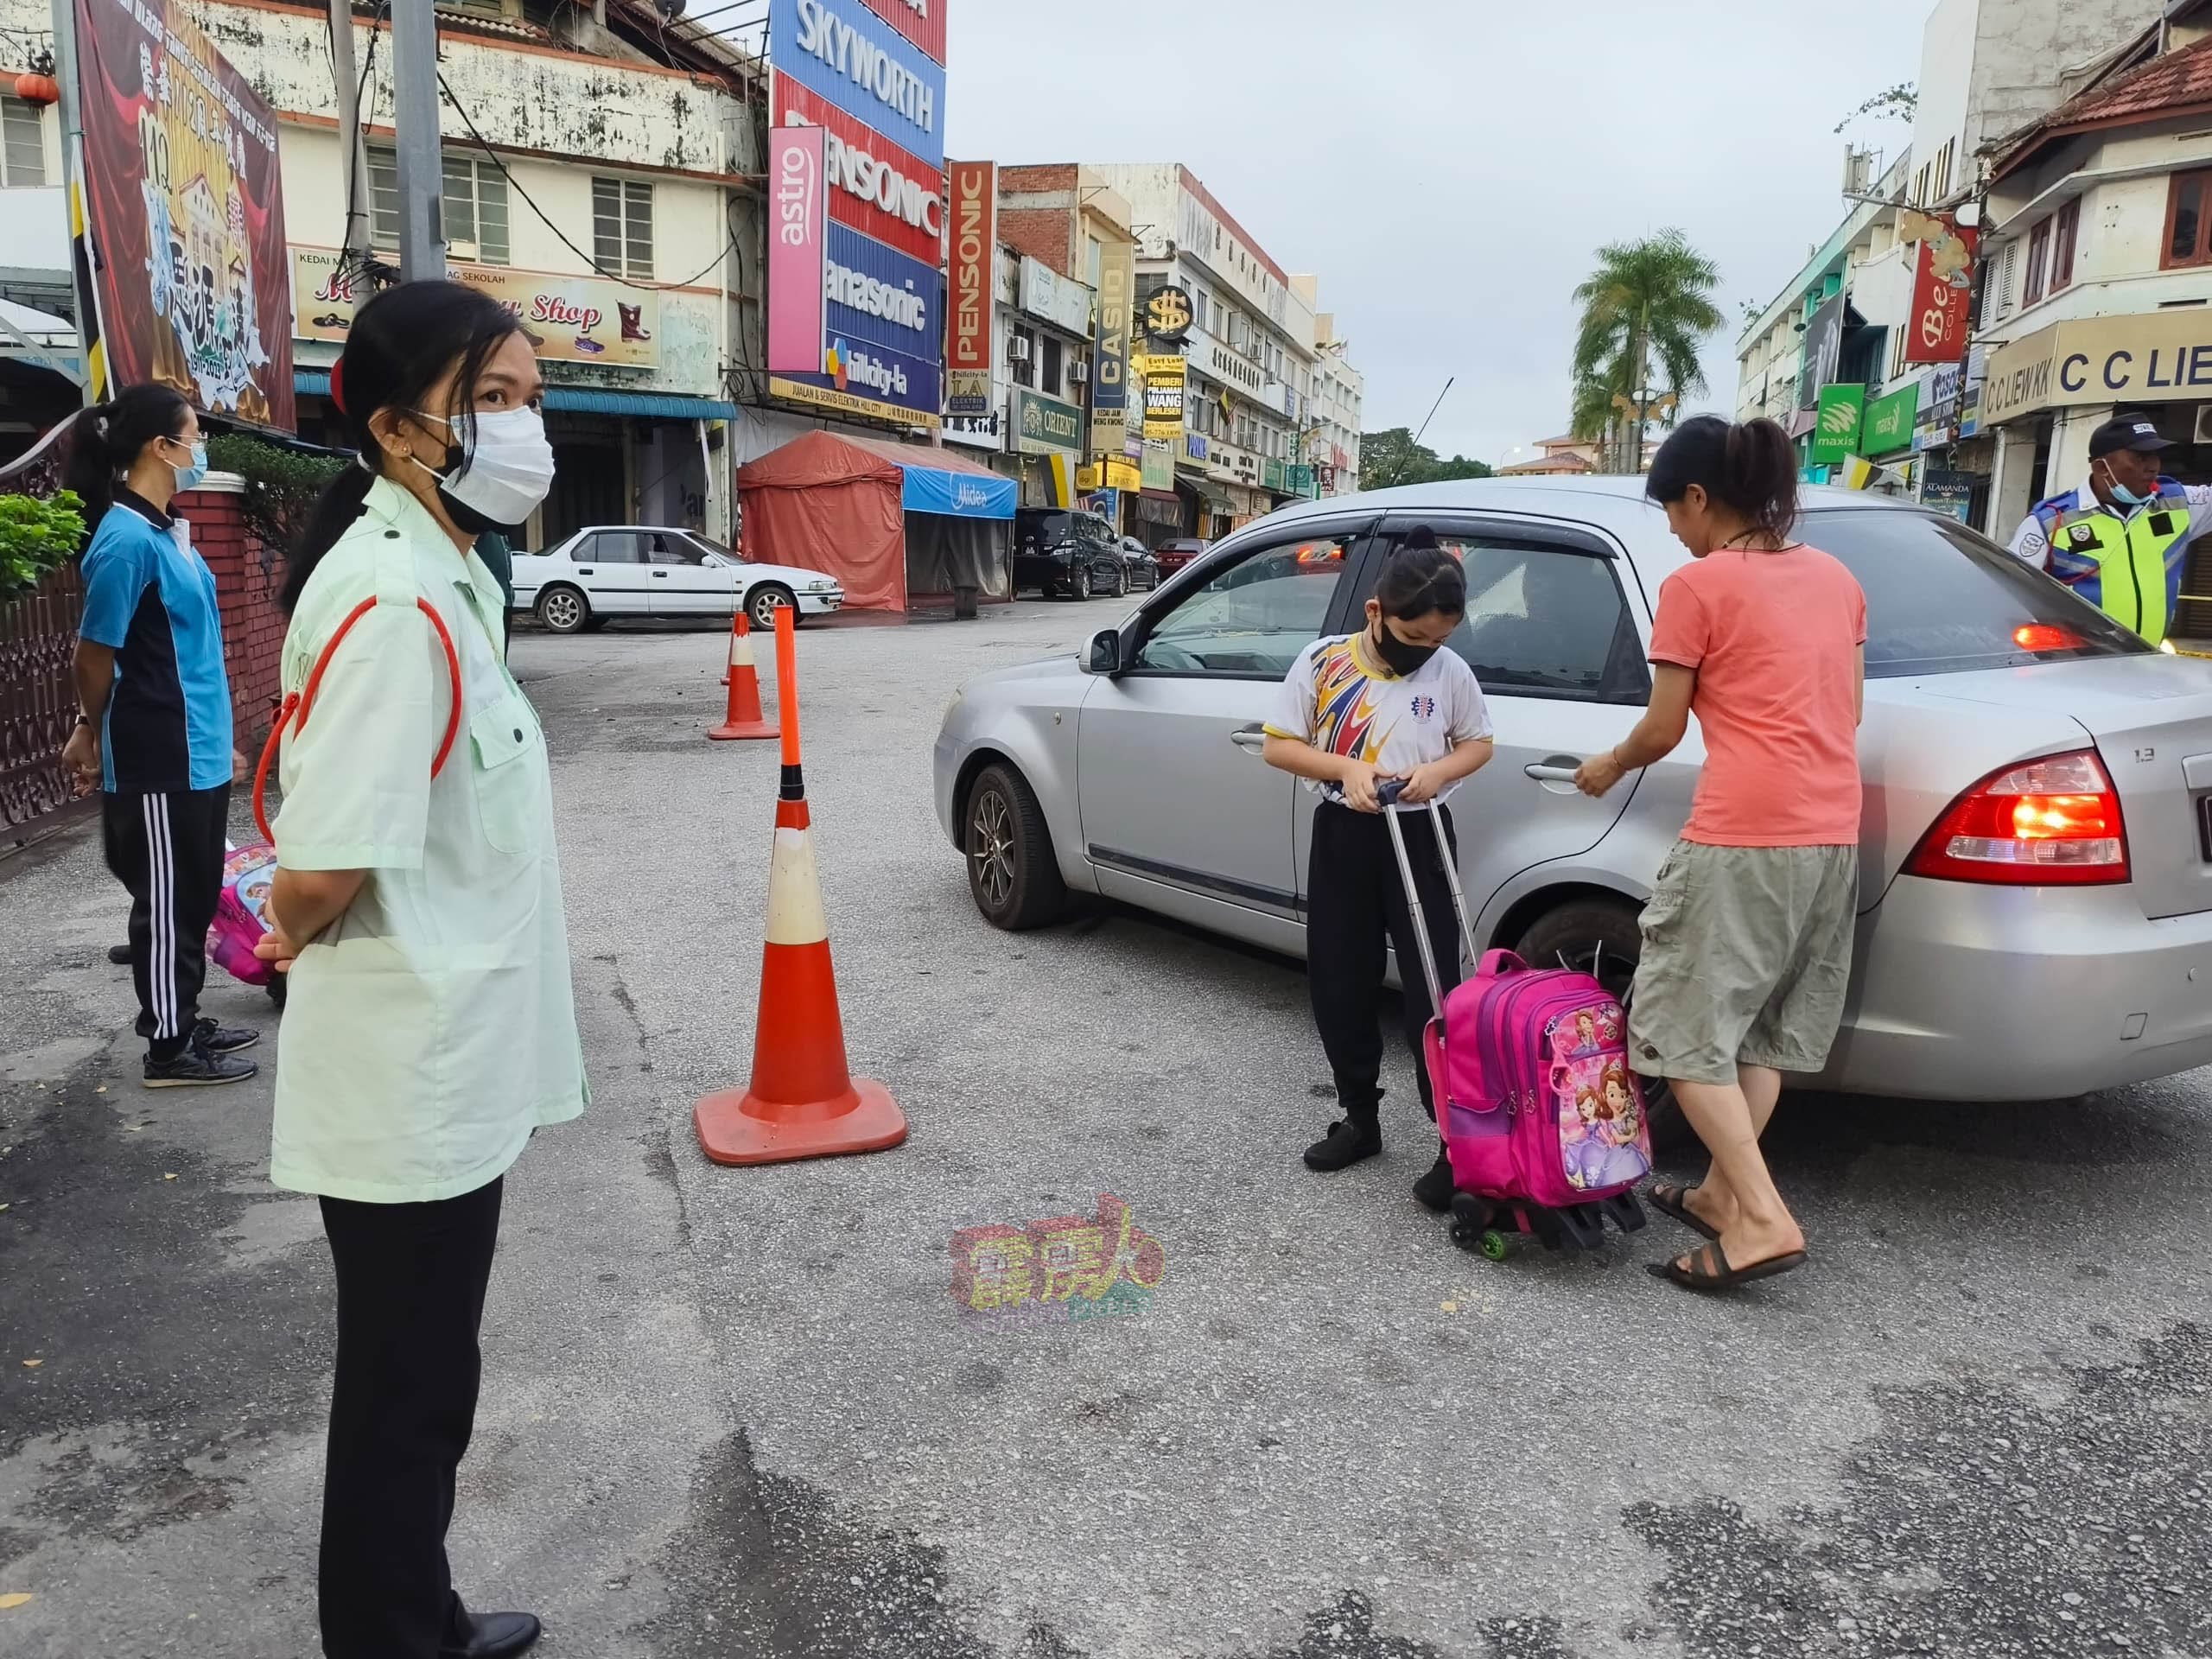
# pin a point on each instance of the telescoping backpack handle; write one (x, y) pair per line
(299, 702)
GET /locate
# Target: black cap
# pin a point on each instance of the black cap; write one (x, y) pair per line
(2127, 432)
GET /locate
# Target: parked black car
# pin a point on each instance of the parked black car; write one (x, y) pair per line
(1137, 562)
(1057, 551)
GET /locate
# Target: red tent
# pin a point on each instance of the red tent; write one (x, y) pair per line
(835, 503)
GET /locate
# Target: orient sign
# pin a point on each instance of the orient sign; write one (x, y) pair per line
(974, 244)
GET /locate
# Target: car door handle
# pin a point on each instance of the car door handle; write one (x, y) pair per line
(1252, 739)
(1544, 774)
(660, 576)
(585, 570)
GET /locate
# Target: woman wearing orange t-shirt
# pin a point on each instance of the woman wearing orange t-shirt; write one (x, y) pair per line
(1747, 936)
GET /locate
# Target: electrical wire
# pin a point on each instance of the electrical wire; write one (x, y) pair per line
(360, 92)
(485, 144)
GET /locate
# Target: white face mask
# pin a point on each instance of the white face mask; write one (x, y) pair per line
(509, 469)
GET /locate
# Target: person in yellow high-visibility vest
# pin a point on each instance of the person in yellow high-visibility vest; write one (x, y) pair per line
(2122, 539)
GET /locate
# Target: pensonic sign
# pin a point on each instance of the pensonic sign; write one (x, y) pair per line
(876, 188)
(974, 243)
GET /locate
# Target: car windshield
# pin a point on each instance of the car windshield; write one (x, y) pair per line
(1042, 526)
(1942, 600)
(714, 546)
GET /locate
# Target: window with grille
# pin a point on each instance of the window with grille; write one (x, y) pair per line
(622, 228)
(475, 194)
(23, 154)
(1049, 374)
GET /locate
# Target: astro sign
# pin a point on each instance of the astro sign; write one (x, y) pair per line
(846, 53)
(875, 186)
(797, 234)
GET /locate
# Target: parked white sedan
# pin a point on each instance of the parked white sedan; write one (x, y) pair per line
(620, 570)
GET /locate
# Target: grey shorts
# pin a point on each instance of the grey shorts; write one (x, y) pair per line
(1747, 958)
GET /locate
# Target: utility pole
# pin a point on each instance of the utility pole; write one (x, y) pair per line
(415, 118)
(82, 255)
(356, 240)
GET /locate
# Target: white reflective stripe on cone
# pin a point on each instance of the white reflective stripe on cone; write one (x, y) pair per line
(795, 892)
(740, 649)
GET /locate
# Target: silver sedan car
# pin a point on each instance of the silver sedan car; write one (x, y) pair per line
(2035, 890)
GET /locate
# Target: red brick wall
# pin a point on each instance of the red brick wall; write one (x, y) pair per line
(1040, 233)
(253, 628)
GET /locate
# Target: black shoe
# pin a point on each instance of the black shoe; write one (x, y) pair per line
(119, 955)
(224, 1040)
(493, 1636)
(1435, 1189)
(197, 1067)
(1349, 1140)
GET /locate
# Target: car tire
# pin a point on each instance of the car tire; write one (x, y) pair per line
(1012, 873)
(1083, 584)
(1602, 935)
(563, 609)
(764, 601)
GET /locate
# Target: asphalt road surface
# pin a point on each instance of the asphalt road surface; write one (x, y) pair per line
(736, 1413)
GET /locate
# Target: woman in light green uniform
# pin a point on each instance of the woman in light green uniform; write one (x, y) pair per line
(430, 1027)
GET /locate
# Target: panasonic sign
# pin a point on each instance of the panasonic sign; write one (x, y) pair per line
(856, 291)
(880, 184)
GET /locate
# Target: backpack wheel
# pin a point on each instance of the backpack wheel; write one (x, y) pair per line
(1492, 1245)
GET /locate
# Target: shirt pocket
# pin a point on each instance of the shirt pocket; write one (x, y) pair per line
(504, 747)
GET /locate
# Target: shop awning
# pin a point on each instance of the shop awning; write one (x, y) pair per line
(1212, 495)
(583, 400)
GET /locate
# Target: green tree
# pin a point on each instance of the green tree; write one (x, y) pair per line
(1646, 310)
(1390, 458)
(36, 537)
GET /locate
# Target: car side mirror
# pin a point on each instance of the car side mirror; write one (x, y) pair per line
(1106, 651)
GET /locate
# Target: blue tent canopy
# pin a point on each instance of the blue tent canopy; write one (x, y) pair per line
(958, 495)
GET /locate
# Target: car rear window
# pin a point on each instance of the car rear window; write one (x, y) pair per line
(1942, 599)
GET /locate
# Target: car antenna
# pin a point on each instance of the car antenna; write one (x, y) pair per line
(1434, 407)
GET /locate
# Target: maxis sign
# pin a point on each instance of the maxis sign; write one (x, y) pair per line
(842, 52)
(876, 188)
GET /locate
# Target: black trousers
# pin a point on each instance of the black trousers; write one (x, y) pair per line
(1355, 902)
(168, 849)
(410, 1301)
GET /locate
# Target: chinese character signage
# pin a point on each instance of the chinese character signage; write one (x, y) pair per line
(974, 248)
(185, 209)
(575, 319)
(1069, 1269)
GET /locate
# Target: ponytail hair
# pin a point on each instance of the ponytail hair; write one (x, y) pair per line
(402, 343)
(107, 439)
(1749, 468)
(1420, 579)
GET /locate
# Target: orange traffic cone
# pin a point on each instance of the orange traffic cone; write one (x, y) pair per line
(801, 1102)
(743, 717)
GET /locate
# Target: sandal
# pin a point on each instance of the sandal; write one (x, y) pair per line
(1706, 1267)
(1666, 1198)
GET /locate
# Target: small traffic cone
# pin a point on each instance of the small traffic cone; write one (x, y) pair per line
(802, 1102)
(743, 717)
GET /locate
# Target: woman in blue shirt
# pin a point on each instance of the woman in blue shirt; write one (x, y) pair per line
(154, 727)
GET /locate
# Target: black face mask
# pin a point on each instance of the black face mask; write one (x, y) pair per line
(1397, 656)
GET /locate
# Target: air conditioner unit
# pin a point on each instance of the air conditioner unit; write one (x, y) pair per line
(1079, 372)
(1017, 350)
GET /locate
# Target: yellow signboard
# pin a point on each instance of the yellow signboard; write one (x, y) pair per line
(2158, 358)
(826, 398)
(1164, 375)
(575, 319)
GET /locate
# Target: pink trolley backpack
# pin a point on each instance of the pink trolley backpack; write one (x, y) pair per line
(237, 926)
(1541, 1117)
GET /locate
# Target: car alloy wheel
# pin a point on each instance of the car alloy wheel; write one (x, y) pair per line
(990, 846)
(563, 610)
(1083, 584)
(762, 605)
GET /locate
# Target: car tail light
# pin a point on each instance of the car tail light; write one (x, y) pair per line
(2046, 636)
(2047, 822)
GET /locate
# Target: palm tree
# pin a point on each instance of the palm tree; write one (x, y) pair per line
(1645, 310)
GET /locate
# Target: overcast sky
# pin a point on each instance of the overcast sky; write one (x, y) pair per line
(1448, 167)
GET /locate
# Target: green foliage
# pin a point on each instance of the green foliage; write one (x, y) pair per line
(36, 537)
(1391, 458)
(281, 486)
(1646, 310)
(1899, 103)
